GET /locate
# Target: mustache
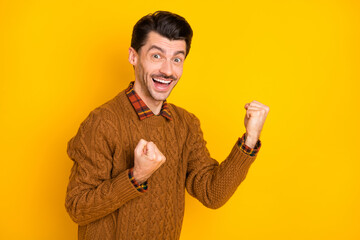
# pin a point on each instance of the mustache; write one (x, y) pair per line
(172, 77)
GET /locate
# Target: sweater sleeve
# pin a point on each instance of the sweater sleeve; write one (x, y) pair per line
(207, 180)
(92, 193)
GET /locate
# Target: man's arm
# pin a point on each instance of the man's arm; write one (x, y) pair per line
(92, 193)
(213, 184)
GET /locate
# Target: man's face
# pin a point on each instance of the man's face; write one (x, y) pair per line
(158, 67)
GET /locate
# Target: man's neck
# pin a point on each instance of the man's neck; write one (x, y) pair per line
(155, 106)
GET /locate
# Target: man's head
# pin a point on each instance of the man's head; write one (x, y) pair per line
(160, 43)
(166, 24)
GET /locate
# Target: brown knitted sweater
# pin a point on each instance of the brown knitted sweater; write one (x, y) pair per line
(103, 201)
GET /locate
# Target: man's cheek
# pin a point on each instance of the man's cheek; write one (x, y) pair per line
(179, 73)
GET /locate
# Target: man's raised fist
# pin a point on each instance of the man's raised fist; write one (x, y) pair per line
(147, 159)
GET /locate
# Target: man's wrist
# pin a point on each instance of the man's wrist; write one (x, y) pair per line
(141, 187)
(138, 179)
(250, 141)
(246, 149)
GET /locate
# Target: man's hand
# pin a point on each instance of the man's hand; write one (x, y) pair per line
(147, 159)
(255, 116)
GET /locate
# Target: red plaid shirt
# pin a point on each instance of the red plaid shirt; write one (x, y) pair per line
(143, 111)
(246, 149)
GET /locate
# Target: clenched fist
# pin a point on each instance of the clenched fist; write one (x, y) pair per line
(147, 159)
(255, 116)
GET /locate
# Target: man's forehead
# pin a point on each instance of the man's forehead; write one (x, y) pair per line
(155, 39)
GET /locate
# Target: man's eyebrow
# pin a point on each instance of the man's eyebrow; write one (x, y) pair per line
(180, 52)
(162, 50)
(156, 47)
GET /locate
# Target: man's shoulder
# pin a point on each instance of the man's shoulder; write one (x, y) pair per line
(111, 109)
(116, 101)
(106, 117)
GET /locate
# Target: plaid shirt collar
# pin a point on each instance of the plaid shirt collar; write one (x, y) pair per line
(140, 107)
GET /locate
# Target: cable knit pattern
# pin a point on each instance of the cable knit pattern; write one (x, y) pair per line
(103, 201)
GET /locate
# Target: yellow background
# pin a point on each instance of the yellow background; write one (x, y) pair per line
(61, 59)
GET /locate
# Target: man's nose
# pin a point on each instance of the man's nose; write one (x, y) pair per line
(166, 68)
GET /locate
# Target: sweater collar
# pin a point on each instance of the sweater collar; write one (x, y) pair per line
(142, 110)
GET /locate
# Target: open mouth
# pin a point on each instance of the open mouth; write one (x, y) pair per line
(161, 81)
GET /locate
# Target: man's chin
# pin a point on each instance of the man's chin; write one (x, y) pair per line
(160, 98)
(157, 96)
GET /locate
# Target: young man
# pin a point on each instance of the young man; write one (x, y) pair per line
(135, 155)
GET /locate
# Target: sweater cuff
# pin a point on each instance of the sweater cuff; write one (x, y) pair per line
(123, 188)
(246, 149)
(140, 187)
(243, 160)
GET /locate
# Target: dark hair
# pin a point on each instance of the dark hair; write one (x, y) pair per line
(167, 24)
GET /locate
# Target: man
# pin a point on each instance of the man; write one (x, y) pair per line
(135, 155)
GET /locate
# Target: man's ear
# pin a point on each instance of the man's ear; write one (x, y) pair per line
(133, 56)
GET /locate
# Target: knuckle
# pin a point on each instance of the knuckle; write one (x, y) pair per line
(136, 150)
(158, 158)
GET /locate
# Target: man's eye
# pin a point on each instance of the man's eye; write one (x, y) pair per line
(177, 60)
(157, 56)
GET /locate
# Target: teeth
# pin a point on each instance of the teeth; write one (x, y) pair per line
(162, 81)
